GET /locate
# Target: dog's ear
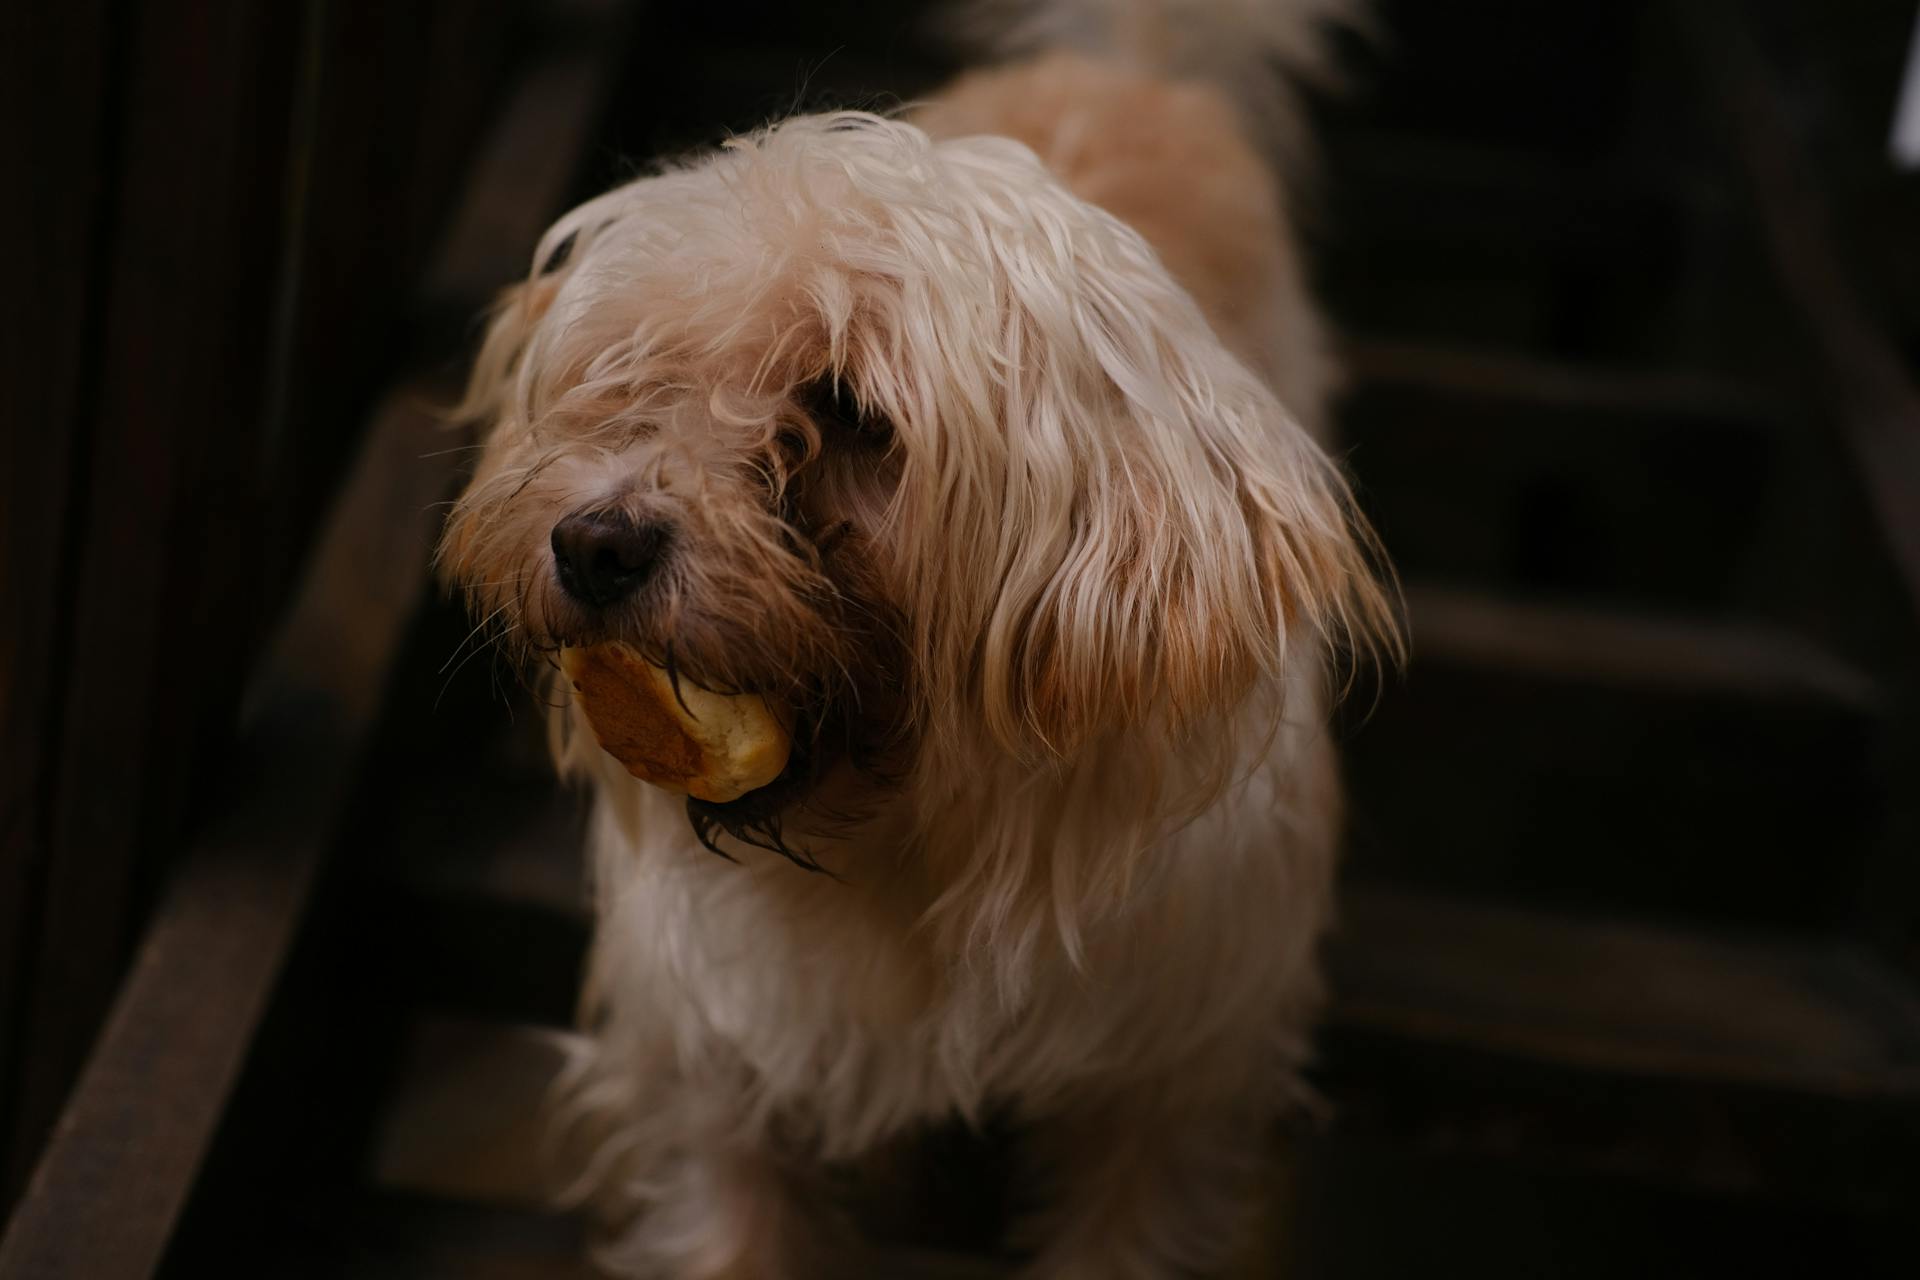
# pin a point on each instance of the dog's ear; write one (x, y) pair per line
(1131, 531)
(1207, 536)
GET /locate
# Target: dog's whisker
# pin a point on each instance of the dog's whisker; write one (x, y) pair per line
(478, 628)
(447, 683)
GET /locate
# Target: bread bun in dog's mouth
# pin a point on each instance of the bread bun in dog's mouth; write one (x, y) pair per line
(711, 746)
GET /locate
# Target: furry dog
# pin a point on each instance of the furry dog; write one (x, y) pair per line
(983, 440)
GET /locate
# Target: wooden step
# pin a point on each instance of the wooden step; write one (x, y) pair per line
(1632, 652)
(1532, 477)
(1625, 999)
(1368, 1209)
(1739, 1063)
(1466, 242)
(1592, 760)
(1456, 368)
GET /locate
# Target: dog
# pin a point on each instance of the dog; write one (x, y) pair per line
(986, 440)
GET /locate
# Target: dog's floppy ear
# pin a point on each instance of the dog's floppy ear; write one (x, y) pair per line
(1209, 535)
(1134, 530)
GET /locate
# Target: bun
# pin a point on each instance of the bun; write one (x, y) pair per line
(715, 747)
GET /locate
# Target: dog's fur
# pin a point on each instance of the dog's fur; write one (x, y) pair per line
(980, 439)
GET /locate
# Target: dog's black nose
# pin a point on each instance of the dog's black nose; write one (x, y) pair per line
(602, 557)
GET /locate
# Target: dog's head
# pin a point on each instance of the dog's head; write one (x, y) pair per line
(905, 435)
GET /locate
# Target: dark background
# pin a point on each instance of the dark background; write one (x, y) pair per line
(1630, 297)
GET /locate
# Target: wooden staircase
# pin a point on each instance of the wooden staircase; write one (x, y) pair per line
(1603, 938)
(1626, 979)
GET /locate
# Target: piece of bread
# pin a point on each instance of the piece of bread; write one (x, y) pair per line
(715, 747)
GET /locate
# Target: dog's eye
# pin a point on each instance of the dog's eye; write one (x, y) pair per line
(792, 444)
(836, 412)
(561, 252)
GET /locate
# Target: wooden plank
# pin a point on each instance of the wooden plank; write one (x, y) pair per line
(1493, 374)
(1534, 477)
(1675, 765)
(1742, 1064)
(1632, 650)
(1591, 760)
(1433, 236)
(1624, 999)
(1371, 1207)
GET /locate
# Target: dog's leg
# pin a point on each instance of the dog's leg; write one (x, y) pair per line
(1144, 1189)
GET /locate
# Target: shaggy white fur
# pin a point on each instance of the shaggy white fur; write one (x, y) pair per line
(953, 464)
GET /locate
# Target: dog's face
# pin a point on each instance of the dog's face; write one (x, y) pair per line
(903, 435)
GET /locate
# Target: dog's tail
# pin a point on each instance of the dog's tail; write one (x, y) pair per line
(1259, 52)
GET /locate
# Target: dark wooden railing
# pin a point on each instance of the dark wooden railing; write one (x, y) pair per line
(104, 1199)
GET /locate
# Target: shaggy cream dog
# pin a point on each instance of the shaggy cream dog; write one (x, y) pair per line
(982, 442)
